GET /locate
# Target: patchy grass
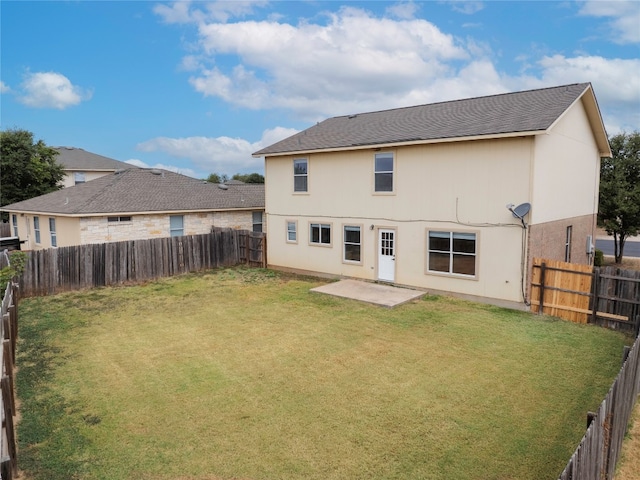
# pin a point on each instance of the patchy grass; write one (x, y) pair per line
(629, 464)
(245, 374)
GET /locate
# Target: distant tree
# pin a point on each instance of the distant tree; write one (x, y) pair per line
(249, 177)
(28, 169)
(217, 178)
(619, 208)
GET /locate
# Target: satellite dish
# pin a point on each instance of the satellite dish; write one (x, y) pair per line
(521, 210)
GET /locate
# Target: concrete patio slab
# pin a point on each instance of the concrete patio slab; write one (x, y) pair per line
(384, 295)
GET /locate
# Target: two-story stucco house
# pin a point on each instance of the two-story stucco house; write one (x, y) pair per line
(425, 196)
(81, 166)
(134, 204)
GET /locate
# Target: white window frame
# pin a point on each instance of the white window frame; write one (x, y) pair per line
(567, 244)
(346, 243)
(119, 219)
(304, 175)
(254, 223)
(322, 227)
(36, 229)
(52, 232)
(14, 222)
(290, 231)
(453, 253)
(79, 177)
(382, 171)
(174, 231)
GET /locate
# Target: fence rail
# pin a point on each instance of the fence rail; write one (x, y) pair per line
(5, 230)
(61, 269)
(607, 296)
(9, 333)
(598, 453)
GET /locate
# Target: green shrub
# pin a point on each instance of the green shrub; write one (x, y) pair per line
(598, 259)
(17, 260)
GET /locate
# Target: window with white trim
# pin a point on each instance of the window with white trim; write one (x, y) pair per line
(320, 234)
(119, 219)
(451, 252)
(79, 177)
(256, 219)
(36, 228)
(52, 232)
(14, 221)
(352, 243)
(383, 172)
(300, 174)
(567, 244)
(292, 231)
(176, 225)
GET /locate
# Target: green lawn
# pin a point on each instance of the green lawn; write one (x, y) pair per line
(245, 374)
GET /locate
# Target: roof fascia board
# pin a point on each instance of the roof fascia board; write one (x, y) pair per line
(113, 214)
(404, 144)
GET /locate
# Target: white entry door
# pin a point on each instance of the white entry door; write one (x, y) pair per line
(387, 255)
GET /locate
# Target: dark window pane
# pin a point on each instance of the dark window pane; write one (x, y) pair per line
(384, 182)
(439, 262)
(352, 252)
(439, 241)
(299, 167)
(352, 234)
(315, 233)
(384, 162)
(464, 264)
(325, 234)
(464, 242)
(300, 184)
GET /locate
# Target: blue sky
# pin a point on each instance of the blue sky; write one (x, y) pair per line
(196, 87)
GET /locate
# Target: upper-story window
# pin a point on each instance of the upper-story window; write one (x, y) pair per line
(384, 172)
(300, 174)
(79, 177)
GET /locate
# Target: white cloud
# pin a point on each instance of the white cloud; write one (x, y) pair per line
(221, 154)
(51, 90)
(357, 60)
(467, 7)
(403, 10)
(4, 88)
(624, 26)
(219, 11)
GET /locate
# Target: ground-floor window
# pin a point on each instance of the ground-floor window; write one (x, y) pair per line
(120, 219)
(52, 231)
(14, 221)
(292, 231)
(352, 243)
(320, 233)
(451, 252)
(176, 225)
(256, 219)
(36, 228)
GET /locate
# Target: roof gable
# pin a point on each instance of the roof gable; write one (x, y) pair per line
(143, 190)
(528, 112)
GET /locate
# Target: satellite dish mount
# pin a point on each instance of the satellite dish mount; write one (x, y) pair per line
(520, 211)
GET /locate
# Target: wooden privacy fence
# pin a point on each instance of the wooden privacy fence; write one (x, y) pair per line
(599, 451)
(9, 328)
(607, 296)
(85, 266)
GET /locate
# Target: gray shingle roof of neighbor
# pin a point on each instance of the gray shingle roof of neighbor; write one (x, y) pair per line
(143, 190)
(528, 111)
(72, 158)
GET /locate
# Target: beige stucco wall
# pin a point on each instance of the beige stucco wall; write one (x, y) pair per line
(454, 187)
(84, 230)
(566, 170)
(69, 179)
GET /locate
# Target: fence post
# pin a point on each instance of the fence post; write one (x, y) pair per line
(543, 267)
(595, 298)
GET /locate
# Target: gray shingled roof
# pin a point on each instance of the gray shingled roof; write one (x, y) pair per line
(78, 159)
(143, 190)
(529, 111)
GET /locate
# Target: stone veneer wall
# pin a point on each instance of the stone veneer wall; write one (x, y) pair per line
(99, 230)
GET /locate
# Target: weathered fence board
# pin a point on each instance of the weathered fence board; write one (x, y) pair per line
(598, 453)
(8, 342)
(96, 265)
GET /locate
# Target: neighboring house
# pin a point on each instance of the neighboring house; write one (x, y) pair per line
(81, 166)
(134, 204)
(418, 196)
